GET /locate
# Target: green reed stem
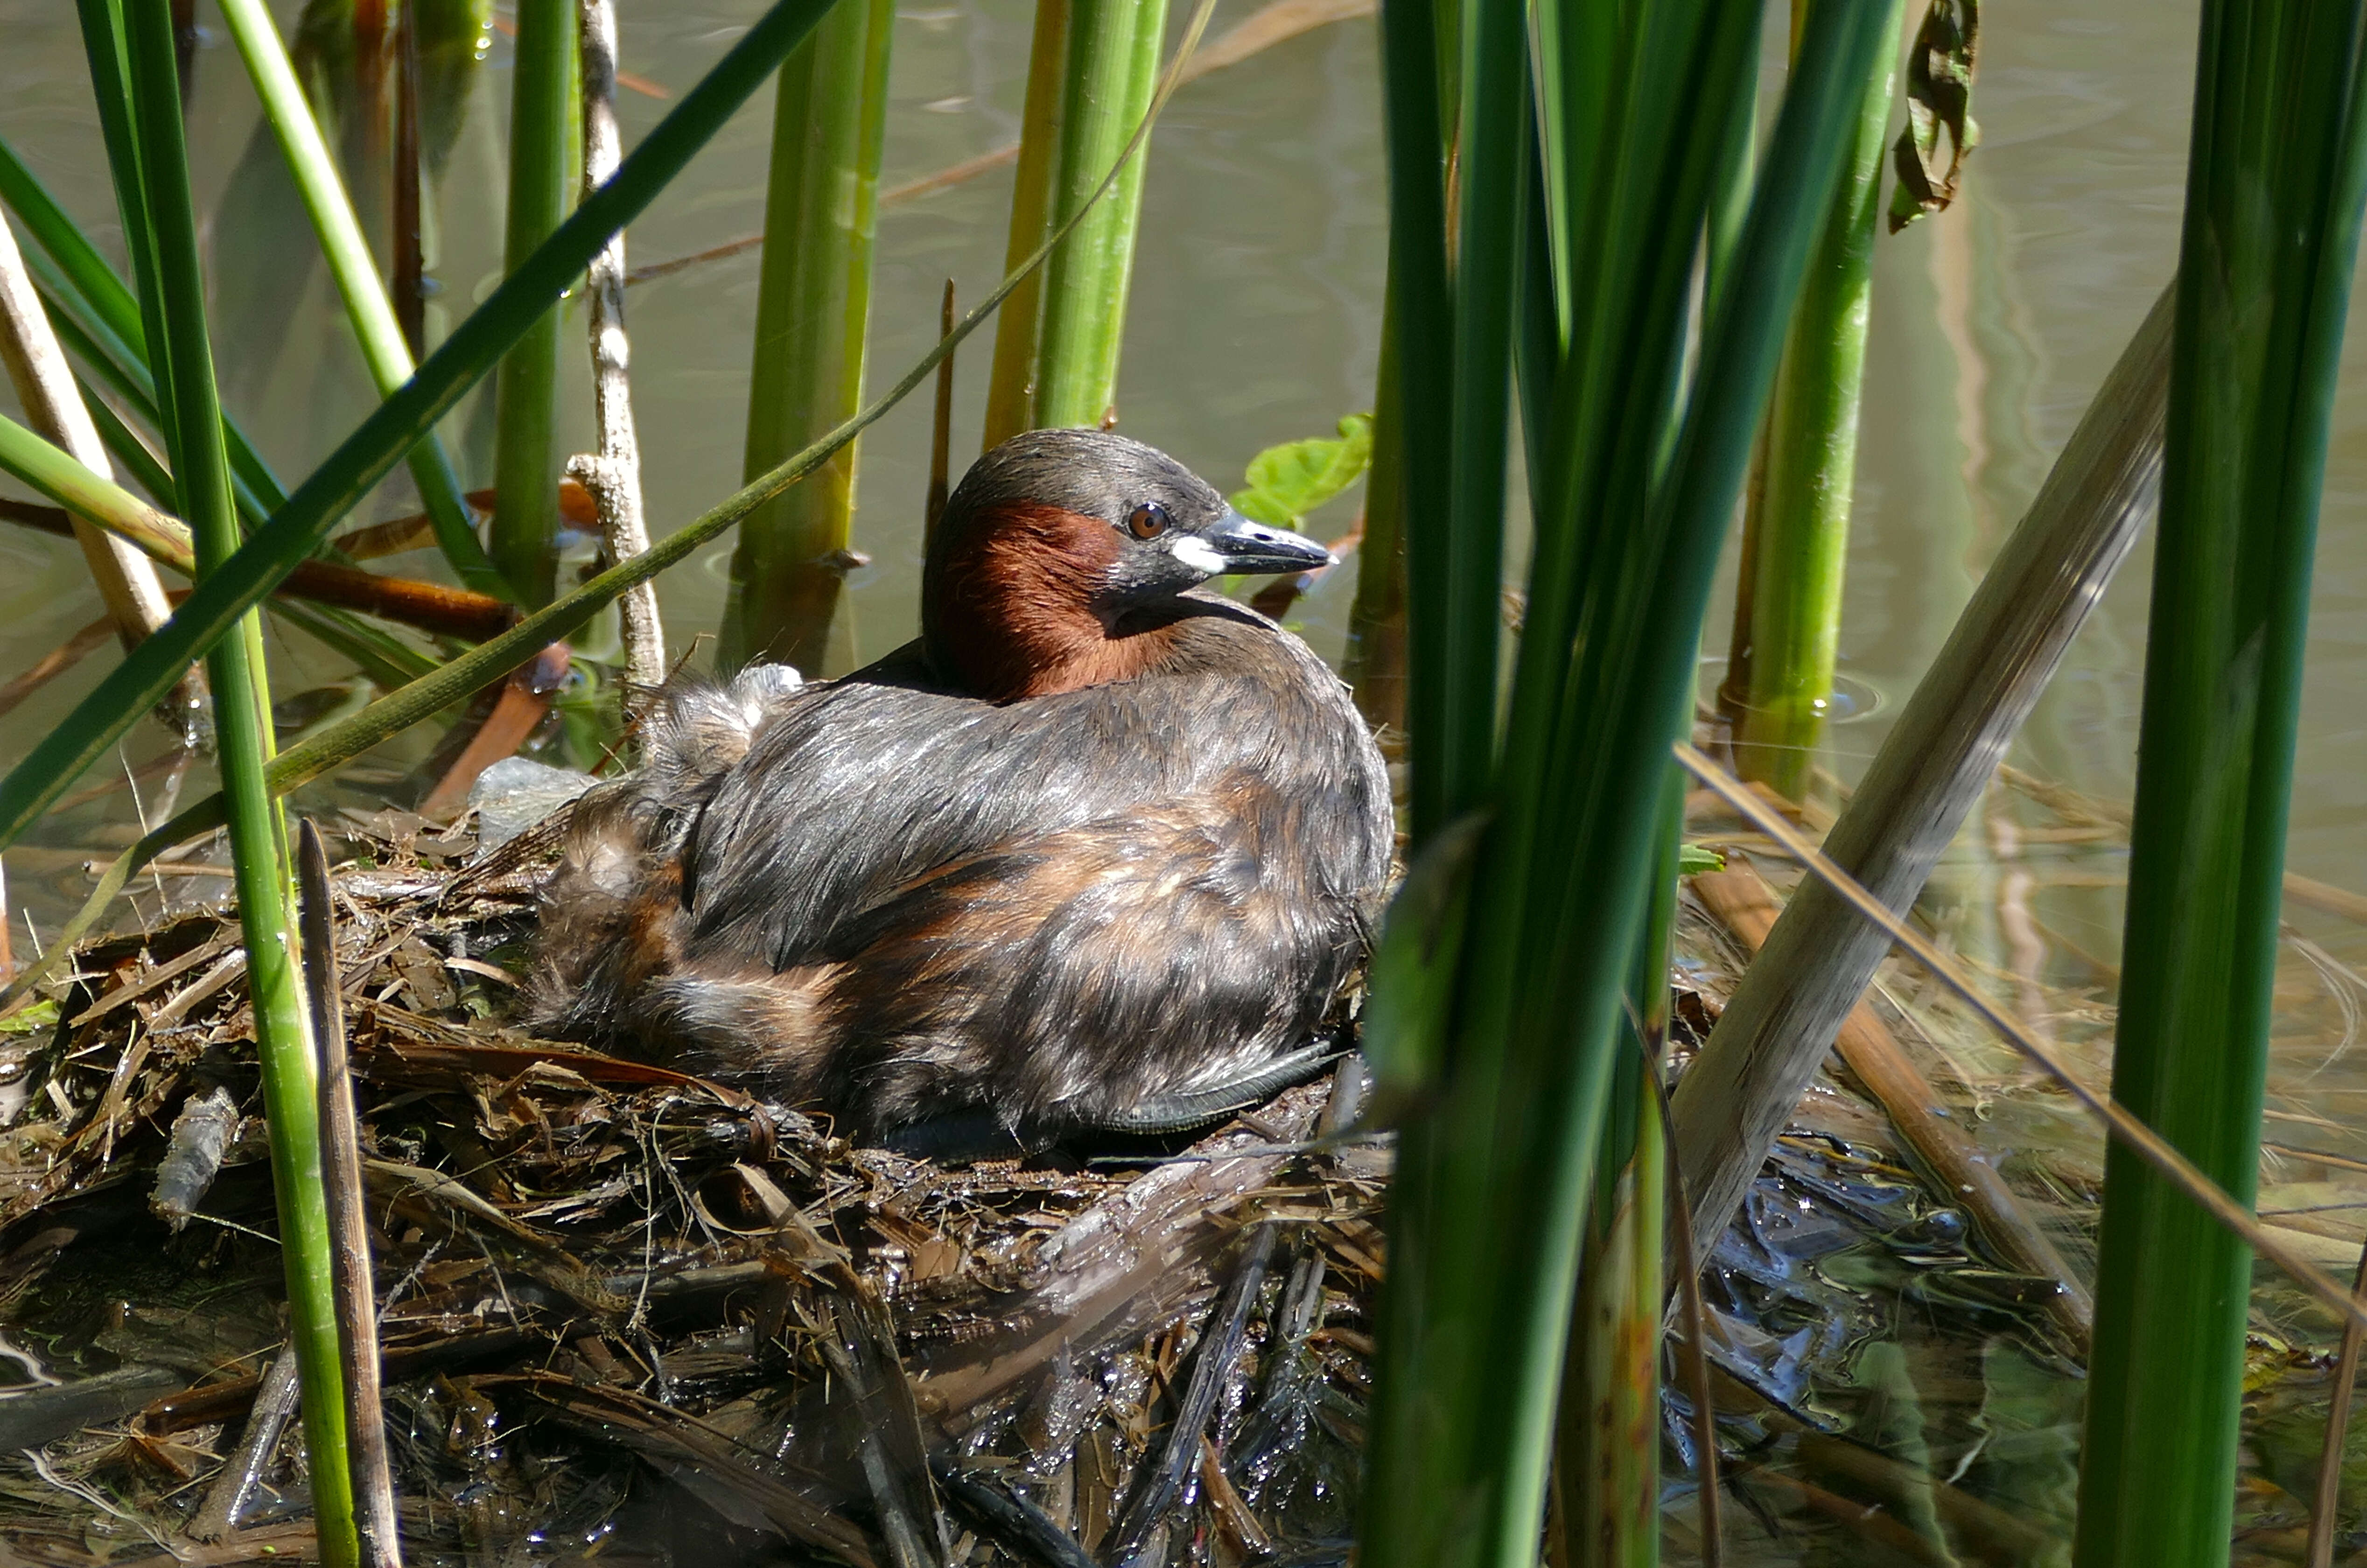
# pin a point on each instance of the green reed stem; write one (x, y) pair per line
(1113, 68)
(1421, 307)
(54, 472)
(545, 129)
(1495, 142)
(2275, 180)
(1493, 1185)
(1607, 1450)
(1798, 519)
(813, 305)
(242, 726)
(1374, 667)
(356, 272)
(342, 481)
(1011, 384)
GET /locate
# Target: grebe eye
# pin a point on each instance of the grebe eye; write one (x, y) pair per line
(1148, 520)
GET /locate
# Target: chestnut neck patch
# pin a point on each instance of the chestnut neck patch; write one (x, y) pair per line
(1014, 606)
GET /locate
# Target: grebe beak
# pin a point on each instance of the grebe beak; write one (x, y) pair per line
(1245, 546)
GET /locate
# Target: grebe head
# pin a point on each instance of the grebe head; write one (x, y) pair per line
(1060, 545)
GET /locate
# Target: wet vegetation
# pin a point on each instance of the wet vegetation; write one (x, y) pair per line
(1685, 1201)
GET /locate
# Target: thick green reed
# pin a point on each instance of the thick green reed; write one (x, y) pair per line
(2275, 178)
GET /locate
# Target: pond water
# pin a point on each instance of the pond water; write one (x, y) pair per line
(1255, 320)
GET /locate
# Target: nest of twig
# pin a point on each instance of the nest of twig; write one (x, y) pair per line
(627, 1308)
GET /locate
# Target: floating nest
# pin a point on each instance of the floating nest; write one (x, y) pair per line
(627, 1309)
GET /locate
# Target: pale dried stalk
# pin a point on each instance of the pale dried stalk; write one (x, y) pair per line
(1782, 1019)
(341, 1173)
(45, 385)
(613, 474)
(2325, 1510)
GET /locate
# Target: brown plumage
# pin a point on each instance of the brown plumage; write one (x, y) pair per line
(1094, 851)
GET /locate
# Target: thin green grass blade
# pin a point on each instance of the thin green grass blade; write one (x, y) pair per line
(125, 446)
(2276, 175)
(48, 225)
(545, 127)
(342, 481)
(350, 263)
(1731, 183)
(1375, 667)
(1539, 341)
(813, 308)
(241, 725)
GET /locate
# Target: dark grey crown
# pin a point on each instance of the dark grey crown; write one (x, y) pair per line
(1092, 472)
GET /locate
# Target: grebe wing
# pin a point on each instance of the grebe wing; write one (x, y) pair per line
(864, 786)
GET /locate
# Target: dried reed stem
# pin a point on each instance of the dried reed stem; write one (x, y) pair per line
(940, 433)
(2326, 1511)
(341, 1172)
(45, 386)
(613, 475)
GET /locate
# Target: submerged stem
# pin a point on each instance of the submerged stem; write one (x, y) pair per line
(1796, 528)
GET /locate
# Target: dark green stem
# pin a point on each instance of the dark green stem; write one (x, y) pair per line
(241, 723)
(2275, 178)
(545, 132)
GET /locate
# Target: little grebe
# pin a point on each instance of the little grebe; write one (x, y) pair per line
(1096, 850)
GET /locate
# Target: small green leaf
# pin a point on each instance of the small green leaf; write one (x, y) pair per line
(1693, 860)
(40, 1016)
(1288, 481)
